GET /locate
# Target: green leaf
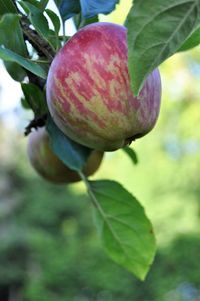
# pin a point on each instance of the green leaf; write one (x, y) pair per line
(125, 230)
(25, 103)
(54, 40)
(156, 30)
(40, 23)
(54, 19)
(35, 98)
(88, 9)
(68, 8)
(10, 27)
(77, 20)
(80, 22)
(37, 18)
(10, 56)
(131, 153)
(192, 41)
(41, 5)
(53, 36)
(15, 71)
(71, 153)
(92, 8)
(58, 2)
(88, 21)
(7, 6)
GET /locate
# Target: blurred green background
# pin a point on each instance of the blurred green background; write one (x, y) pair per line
(49, 249)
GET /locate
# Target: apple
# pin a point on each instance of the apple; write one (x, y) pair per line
(49, 166)
(88, 90)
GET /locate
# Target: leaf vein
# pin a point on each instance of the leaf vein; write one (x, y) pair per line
(157, 14)
(170, 38)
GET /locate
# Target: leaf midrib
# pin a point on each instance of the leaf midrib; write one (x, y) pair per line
(169, 39)
(157, 14)
(156, 60)
(106, 222)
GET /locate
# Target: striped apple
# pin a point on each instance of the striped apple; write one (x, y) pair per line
(89, 94)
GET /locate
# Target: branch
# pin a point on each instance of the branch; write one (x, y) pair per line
(38, 121)
(34, 79)
(43, 48)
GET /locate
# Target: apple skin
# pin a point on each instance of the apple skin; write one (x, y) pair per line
(89, 94)
(49, 166)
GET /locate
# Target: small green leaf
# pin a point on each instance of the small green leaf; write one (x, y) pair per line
(58, 2)
(15, 71)
(192, 41)
(7, 6)
(88, 9)
(53, 36)
(32, 2)
(40, 23)
(54, 19)
(10, 56)
(88, 21)
(77, 20)
(92, 8)
(80, 22)
(125, 230)
(131, 153)
(68, 8)
(53, 39)
(37, 18)
(71, 153)
(41, 5)
(10, 27)
(156, 30)
(25, 103)
(35, 98)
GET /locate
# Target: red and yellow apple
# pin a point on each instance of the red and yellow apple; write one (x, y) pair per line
(89, 94)
(49, 166)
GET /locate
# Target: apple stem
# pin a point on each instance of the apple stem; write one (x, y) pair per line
(87, 184)
(93, 197)
(99, 208)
